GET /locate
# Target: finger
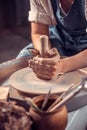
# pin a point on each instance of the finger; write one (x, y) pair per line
(53, 52)
(42, 77)
(49, 61)
(29, 63)
(42, 67)
(46, 77)
(45, 74)
(34, 60)
(33, 64)
(36, 57)
(35, 52)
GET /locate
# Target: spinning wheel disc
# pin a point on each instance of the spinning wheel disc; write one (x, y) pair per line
(25, 81)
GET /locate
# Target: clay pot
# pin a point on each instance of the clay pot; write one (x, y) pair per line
(42, 120)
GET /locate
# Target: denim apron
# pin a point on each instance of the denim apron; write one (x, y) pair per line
(69, 35)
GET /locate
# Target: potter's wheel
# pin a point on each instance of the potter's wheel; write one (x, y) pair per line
(25, 81)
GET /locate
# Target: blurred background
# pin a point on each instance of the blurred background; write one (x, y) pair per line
(14, 28)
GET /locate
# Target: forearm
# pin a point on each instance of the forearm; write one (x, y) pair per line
(36, 31)
(75, 62)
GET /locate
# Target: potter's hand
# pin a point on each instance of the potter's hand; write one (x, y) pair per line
(35, 52)
(46, 68)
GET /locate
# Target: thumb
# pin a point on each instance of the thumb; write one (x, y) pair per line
(53, 52)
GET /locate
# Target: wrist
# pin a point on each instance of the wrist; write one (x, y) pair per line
(64, 65)
(60, 66)
(68, 64)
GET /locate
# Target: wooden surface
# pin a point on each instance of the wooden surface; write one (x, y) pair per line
(4, 92)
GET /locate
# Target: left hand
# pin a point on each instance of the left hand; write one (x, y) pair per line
(46, 68)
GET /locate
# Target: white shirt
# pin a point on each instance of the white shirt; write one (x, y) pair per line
(41, 12)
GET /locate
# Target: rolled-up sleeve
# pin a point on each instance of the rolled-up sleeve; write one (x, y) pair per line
(38, 12)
